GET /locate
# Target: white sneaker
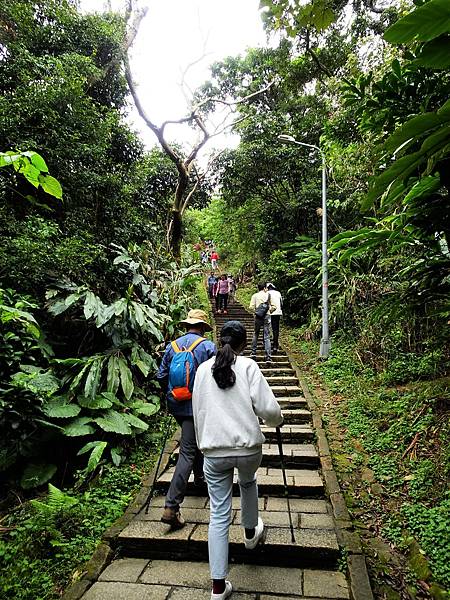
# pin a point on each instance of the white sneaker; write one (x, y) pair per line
(251, 543)
(228, 591)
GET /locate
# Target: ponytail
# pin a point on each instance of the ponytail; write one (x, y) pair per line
(233, 338)
(222, 372)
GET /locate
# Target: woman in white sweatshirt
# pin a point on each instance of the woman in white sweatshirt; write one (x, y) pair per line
(229, 395)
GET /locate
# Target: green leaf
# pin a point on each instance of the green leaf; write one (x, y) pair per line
(88, 447)
(413, 128)
(37, 474)
(113, 422)
(424, 187)
(422, 24)
(93, 378)
(135, 422)
(59, 408)
(126, 379)
(79, 427)
(38, 162)
(51, 186)
(113, 378)
(116, 457)
(90, 305)
(95, 456)
(435, 54)
(94, 403)
(144, 408)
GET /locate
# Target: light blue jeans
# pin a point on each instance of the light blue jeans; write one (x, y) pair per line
(219, 477)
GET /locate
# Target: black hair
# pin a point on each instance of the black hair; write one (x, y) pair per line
(232, 337)
(261, 286)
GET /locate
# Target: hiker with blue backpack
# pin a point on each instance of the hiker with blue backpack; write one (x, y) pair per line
(176, 376)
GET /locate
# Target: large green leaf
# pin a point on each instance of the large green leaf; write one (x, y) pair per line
(95, 456)
(37, 474)
(93, 378)
(422, 24)
(79, 427)
(424, 187)
(59, 408)
(415, 127)
(51, 186)
(435, 54)
(113, 422)
(94, 403)
(135, 422)
(126, 379)
(113, 378)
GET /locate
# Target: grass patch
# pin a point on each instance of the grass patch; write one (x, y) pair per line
(395, 442)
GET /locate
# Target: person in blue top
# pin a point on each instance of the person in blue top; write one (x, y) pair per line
(190, 458)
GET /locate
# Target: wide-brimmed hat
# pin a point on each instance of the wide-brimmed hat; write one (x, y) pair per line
(195, 317)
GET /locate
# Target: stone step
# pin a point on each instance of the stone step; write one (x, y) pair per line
(301, 482)
(133, 578)
(296, 456)
(275, 380)
(286, 390)
(290, 433)
(315, 540)
(296, 416)
(276, 358)
(288, 402)
(275, 371)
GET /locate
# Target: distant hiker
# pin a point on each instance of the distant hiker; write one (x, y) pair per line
(230, 393)
(176, 376)
(262, 305)
(223, 290)
(233, 287)
(214, 259)
(210, 283)
(204, 257)
(275, 317)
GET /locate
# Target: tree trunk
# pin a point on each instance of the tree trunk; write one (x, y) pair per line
(176, 234)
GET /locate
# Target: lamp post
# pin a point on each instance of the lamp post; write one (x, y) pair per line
(325, 341)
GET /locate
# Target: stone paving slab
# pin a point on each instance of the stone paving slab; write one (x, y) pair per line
(127, 570)
(245, 578)
(321, 583)
(197, 594)
(297, 505)
(300, 481)
(126, 591)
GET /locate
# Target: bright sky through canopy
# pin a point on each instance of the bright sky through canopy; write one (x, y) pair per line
(174, 34)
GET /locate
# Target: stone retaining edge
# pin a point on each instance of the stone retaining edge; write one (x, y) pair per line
(349, 541)
(105, 551)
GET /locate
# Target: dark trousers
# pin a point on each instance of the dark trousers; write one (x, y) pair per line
(189, 459)
(223, 301)
(275, 319)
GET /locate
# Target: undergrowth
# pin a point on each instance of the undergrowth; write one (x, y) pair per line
(45, 542)
(400, 436)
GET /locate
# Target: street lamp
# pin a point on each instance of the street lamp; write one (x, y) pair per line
(325, 341)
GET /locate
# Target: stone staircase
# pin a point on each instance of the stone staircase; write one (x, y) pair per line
(160, 564)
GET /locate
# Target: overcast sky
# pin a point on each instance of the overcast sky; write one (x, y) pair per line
(174, 34)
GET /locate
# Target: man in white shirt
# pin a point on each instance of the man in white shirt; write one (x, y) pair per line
(275, 317)
(262, 322)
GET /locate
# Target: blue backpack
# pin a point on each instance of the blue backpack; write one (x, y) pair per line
(182, 371)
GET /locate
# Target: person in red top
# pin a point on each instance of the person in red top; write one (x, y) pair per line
(214, 259)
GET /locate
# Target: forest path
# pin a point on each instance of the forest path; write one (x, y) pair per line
(158, 564)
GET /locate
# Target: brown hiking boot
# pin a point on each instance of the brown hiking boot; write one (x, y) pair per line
(173, 518)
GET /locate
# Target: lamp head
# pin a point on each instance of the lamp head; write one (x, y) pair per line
(284, 137)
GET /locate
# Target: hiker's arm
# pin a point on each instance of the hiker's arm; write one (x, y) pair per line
(252, 305)
(163, 372)
(264, 402)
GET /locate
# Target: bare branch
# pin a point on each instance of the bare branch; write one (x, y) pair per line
(234, 102)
